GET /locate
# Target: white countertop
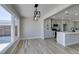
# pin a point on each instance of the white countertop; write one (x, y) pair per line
(69, 32)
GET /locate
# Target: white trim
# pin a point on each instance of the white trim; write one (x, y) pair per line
(25, 38)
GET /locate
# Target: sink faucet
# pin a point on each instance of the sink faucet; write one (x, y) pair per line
(73, 29)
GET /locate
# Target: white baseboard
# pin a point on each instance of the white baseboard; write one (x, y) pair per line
(25, 38)
(48, 37)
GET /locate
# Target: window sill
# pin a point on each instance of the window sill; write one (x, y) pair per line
(3, 47)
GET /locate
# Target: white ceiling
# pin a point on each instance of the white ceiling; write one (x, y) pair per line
(27, 10)
(73, 13)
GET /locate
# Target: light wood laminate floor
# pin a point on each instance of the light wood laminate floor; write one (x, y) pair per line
(47, 46)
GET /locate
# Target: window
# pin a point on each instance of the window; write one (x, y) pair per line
(9, 29)
(5, 26)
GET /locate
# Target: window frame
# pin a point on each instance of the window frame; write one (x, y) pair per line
(13, 38)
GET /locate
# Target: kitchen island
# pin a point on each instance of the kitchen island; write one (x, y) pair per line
(67, 38)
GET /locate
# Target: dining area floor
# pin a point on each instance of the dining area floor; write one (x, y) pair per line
(47, 46)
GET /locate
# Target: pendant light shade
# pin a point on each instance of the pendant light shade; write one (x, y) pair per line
(36, 15)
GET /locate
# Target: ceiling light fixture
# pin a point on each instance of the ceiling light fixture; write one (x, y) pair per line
(66, 12)
(36, 15)
(53, 16)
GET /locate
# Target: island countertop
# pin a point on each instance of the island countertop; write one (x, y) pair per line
(67, 38)
(69, 32)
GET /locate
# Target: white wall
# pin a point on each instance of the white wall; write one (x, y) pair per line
(76, 24)
(69, 24)
(31, 29)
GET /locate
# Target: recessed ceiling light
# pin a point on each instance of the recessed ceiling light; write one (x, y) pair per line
(53, 16)
(66, 12)
(76, 14)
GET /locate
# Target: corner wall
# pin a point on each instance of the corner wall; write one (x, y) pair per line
(31, 29)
